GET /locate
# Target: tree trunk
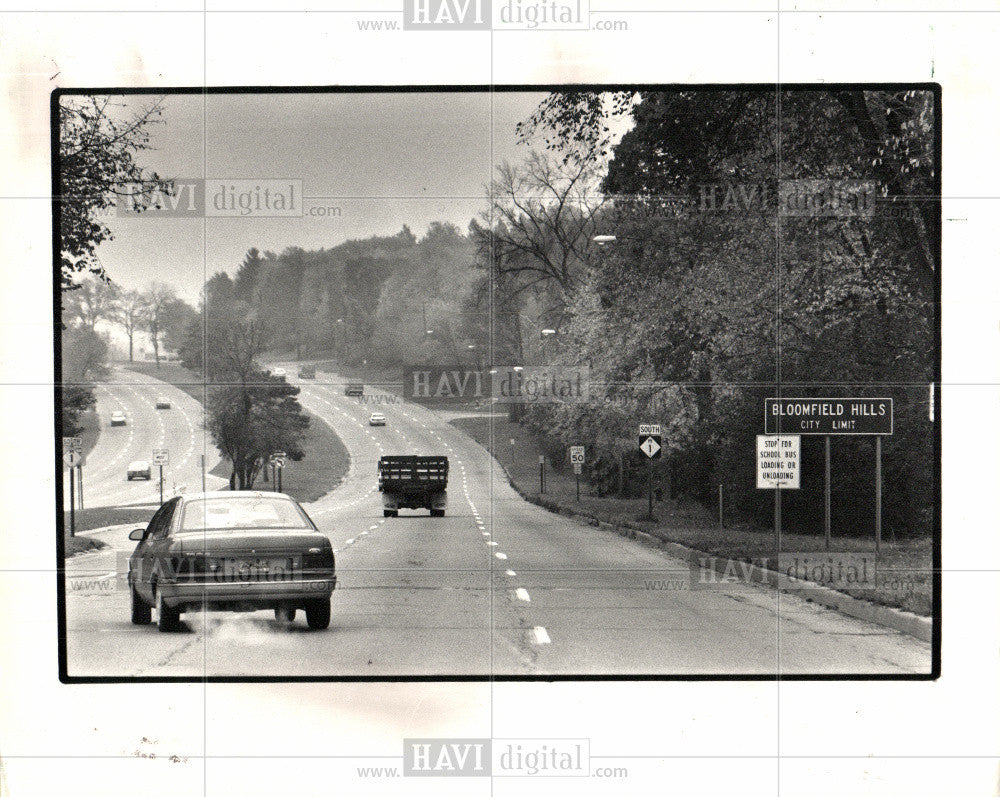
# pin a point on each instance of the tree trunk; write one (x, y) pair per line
(621, 475)
(232, 479)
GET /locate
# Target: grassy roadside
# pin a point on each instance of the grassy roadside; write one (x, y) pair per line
(323, 467)
(904, 566)
(97, 518)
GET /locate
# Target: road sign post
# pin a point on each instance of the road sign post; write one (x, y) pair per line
(650, 444)
(72, 458)
(826, 491)
(161, 457)
(72, 505)
(836, 416)
(577, 456)
(878, 493)
(277, 462)
(541, 473)
(778, 458)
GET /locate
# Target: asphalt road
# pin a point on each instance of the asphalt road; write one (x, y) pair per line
(178, 429)
(498, 586)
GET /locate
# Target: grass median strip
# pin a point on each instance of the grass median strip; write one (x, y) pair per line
(326, 461)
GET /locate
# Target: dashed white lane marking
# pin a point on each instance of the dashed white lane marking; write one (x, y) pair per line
(510, 573)
(363, 533)
(500, 555)
(492, 543)
(541, 635)
(522, 594)
(350, 541)
(372, 528)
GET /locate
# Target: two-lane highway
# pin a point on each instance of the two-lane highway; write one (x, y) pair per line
(496, 587)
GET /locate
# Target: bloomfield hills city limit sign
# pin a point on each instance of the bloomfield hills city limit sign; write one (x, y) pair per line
(828, 416)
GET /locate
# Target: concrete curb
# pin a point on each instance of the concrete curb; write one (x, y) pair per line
(914, 625)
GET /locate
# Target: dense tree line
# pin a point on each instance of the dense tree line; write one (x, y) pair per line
(711, 299)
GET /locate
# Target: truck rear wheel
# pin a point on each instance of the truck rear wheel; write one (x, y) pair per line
(390, 513)
(437, 513)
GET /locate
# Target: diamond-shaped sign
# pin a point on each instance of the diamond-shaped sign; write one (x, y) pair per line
(650, 446)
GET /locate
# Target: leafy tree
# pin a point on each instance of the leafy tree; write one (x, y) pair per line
(84, 360)
(129, 313)
(76, 400)
(540, 224)
(250, 420)
(99, 140)
(84, 356)
(92, 300)
(159, 301)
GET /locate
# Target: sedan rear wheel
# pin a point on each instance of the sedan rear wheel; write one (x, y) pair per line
(142, 612)
(318, 613)
(167, 619)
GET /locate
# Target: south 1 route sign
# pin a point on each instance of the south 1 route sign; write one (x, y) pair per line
(778, 461)
(871, 416)
(650, 442)
(650, 445)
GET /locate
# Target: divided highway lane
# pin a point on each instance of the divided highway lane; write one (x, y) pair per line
(497, 586)
(178, 429)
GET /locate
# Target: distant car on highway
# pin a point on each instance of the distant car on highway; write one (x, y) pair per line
(163, 403)
(138, 470)
(354, 389)
(279, 372)
(376, 419)
(307, 372)
(231, 551)
(117, 418)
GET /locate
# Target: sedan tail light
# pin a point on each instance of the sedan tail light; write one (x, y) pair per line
(318, 559)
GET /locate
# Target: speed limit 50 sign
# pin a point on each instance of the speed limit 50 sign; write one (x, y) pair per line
(577, 455)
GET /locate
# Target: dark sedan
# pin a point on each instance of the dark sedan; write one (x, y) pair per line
(231, 551)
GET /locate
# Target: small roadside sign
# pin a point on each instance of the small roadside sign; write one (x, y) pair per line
(650, 445)
(73, 444)
(541, 459)
(649, 428)
(577, 468)
(72, 458)
(161, 456)
(577, 455)
(778, 458)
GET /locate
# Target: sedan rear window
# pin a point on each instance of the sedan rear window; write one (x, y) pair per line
(242, 513)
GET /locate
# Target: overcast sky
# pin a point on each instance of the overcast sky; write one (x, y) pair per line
(384, 160)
